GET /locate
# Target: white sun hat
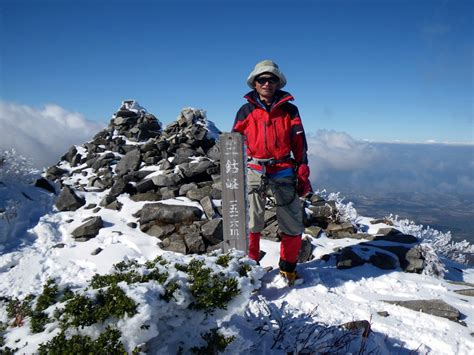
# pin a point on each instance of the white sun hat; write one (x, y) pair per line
(266, 66)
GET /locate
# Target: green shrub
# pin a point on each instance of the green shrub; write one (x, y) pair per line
(19, 310)
(244, 270)
(114, 302)
(169, 290)
(78, 312)
(107, 343)
(127, 272)
(99, 281)
(37, 321)
(210, 291)
(48, 296)
(216, 343)
(223, 260)
(150, 264)
(82, 311)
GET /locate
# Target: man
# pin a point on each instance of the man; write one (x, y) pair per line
(277, 162)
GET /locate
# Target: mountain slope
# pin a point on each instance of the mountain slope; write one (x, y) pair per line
(276, 319)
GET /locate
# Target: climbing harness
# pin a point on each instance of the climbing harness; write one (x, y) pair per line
(266, 182)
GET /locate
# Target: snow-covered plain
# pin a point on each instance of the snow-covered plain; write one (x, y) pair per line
(328, 297)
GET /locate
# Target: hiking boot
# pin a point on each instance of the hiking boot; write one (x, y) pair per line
(291, 278)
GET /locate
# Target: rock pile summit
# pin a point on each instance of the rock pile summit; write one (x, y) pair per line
(135, 157)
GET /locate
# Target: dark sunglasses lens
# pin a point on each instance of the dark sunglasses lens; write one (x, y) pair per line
(263, 80)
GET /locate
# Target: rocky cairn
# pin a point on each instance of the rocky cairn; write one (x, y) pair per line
(124, 159)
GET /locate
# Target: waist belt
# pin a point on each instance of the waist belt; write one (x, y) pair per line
(271, 161)
(281, 173)
(267, 161)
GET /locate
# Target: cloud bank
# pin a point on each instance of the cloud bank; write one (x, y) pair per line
(43, 134)
(339, 162)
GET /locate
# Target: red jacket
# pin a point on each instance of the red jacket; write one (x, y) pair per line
(275, 133)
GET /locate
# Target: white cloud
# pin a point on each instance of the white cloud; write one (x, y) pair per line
(339, 162)
(43, 134)
(338, 151)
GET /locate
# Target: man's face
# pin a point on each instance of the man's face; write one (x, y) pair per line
(266, 84)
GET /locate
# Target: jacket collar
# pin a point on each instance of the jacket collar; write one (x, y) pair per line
(280, 98)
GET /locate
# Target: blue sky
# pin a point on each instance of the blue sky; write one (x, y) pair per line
(378, 70)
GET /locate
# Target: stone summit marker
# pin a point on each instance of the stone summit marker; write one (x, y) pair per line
(234, 203)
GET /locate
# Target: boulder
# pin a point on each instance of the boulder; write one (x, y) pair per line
(338, 231)
(466, 292)
(323, 209)
(434, 307)
(145, 185)
(129, 162)
(383, 261)
(214, 153)
(397, 238)
(174, 243)
(306, 250)
(89, 229)
(199, 193)
(348, 258)
(208, 207)
(198, 168)
(121, 186)
(69, 156)
(68, 200)
(44, 184)
(147, 196)
(186, 187)
(169, 213)
(194, 243)
(161, 230)
(166, 180)
(410, 259)
(313, 231)
(212, 231)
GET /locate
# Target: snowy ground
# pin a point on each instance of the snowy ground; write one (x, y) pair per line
(339, 296)
(334, 296)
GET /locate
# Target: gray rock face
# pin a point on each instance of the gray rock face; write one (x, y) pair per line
(198, 168)
(166, 180)
(194, 243)
(342, 230)
(44, 184)
(199, 193)
(306, 250)
(348, 259)
(434, 307)
(129, 162)
(208, 207)
(145, 185)
(169, 213)
(161, 231)
(89, 229)
(186, 187)
(212, 231)
(394, 235)
(467, 292)
(410, 258)
(147, 196)
(68, 200)
(384, 261)
(174, 243)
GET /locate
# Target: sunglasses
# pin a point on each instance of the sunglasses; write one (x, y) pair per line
(264, 79)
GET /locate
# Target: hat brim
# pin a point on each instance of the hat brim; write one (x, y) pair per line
(266, 69)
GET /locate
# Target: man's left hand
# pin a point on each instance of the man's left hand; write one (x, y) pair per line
(303, 186)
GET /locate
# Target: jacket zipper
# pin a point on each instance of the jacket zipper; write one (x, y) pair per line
(275, 134)
(265, 135)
